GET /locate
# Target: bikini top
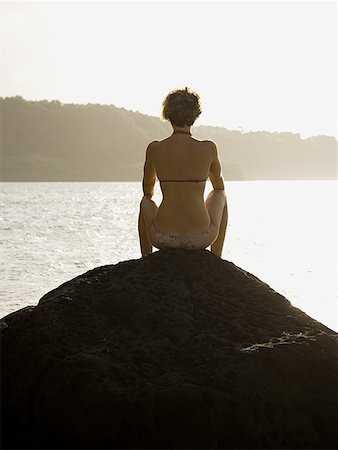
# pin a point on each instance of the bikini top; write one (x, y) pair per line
(192, 181)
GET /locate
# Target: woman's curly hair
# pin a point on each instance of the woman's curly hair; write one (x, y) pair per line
(181, 107)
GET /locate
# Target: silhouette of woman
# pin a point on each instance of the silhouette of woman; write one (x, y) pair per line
(182, 165)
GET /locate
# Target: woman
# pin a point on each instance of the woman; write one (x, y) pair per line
(182, 164)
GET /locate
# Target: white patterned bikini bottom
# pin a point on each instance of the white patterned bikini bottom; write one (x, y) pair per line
(191, 241)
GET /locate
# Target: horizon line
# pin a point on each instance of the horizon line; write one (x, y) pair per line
(240, 129)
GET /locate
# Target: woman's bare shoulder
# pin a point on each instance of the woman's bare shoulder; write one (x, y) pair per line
(210, 143)
(163, 140)
(151, 146)
(152, 143)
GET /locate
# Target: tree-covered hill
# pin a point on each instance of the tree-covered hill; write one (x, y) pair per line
(51, 141)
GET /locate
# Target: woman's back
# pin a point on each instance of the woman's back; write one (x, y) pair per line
(177, 160)
(182, 164)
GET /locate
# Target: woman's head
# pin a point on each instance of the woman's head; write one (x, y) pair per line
(181, 107)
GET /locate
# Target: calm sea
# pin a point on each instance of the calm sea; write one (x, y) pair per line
(284, 232)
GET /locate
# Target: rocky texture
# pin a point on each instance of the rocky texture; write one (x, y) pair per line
(179, 349)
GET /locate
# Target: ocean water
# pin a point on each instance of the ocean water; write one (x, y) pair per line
(284, 232)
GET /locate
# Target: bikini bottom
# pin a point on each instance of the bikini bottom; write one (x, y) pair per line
(192, 241)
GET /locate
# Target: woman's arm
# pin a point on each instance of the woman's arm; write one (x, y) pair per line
(149, 173)
(215, 169)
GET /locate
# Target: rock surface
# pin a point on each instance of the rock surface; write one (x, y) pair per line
(179, 349)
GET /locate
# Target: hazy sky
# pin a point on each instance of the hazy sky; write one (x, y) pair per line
(258, 65)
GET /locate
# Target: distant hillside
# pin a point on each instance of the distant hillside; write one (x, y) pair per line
(50, 141)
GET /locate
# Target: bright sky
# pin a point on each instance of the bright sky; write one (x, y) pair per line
(257, 65)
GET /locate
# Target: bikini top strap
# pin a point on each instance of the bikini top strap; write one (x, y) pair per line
(194, 181)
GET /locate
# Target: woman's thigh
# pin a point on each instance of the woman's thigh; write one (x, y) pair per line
(215, 203)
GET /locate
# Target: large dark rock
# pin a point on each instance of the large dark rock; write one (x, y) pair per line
(179, 349)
